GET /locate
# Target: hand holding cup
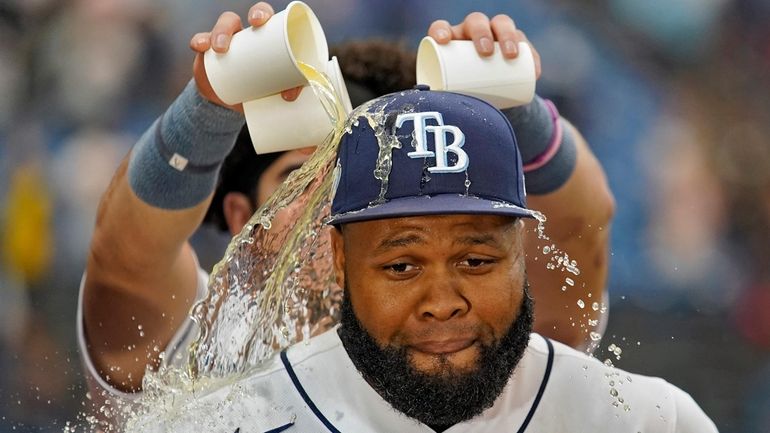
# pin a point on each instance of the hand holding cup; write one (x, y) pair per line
(484, 32)
(258, 69)
(506, 66)
(218, 39)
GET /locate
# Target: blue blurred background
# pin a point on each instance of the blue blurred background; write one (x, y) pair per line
(673, 96)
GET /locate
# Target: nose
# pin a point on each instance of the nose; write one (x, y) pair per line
(443, 298)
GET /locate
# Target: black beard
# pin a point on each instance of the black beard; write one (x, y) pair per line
(436, 399)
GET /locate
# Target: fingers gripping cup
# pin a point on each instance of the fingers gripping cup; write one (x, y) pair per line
(457, 67)
(263, 61)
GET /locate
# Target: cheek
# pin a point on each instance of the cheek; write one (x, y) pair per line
(287, 217)
(497, 302)
(381, 310)
(265, 188)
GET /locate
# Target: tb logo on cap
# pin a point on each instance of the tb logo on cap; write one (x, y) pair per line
(439, 136)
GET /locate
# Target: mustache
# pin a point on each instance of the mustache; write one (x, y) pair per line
(441, 331)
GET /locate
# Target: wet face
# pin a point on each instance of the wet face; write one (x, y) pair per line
(436, 313)
(272, 178)
(440, 287)
(277, 173)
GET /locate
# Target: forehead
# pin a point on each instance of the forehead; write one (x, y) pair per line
(430, 227)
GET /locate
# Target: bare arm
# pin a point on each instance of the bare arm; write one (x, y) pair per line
(141, 279)
(579, 215)
(141, 273)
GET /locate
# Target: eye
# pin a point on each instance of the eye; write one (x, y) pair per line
(476, 263)
(400, 268)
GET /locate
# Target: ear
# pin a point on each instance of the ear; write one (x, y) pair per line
(338, 251)
(237, 209)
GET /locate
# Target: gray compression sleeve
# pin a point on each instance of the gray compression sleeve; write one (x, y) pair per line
(535, 130)
(175, 164)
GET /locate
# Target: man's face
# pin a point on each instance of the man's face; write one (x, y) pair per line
(439, 287)
(435, 314)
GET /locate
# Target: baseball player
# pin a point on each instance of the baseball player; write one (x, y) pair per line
(435, 334)
(142, 272)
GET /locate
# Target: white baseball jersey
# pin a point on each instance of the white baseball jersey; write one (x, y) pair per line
(314, 387)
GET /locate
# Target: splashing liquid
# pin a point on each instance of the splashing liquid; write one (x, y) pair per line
(275, 285)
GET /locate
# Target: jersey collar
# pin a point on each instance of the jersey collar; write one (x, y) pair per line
(332, 387)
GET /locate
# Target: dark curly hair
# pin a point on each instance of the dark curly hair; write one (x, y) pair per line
(371, 68)
(379, 66)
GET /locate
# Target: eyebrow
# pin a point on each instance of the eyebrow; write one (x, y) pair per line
(398, 242)
(287, 171)
(481, 239)
(408, 240)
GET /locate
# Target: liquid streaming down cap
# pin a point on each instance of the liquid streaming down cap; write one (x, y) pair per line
(423, 152)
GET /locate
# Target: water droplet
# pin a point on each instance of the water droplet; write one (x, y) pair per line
(580, 303)
(595, 306)
(546, 249)
(569, 281)
(595, 336)
(613, 392)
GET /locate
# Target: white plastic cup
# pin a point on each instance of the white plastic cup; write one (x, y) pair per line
(262, 61)
(334, 73)
(457, 67)
(277, 125)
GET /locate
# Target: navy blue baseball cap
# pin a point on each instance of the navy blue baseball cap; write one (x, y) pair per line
(422, 152)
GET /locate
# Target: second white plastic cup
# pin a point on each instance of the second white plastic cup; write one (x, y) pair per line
(278, 125)
(263, 61)
(457, 67)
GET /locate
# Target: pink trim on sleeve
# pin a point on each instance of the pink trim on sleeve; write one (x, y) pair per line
(553, 146)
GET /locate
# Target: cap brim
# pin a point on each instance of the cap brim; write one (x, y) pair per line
(443, 204)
